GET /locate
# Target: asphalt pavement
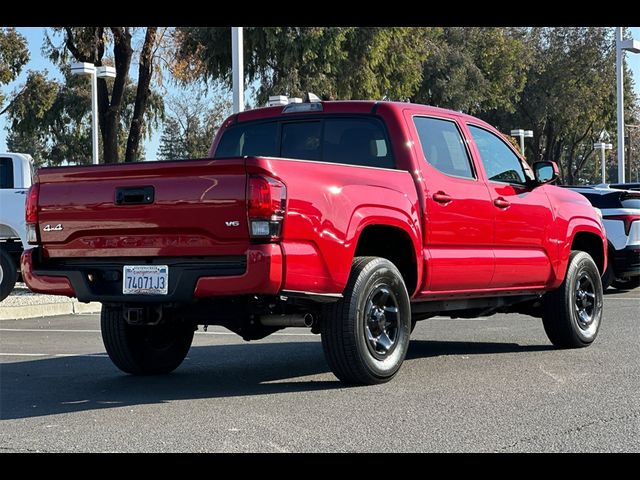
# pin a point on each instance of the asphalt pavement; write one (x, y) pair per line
(490, 385)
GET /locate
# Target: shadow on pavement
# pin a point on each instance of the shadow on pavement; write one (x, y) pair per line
(71, 384)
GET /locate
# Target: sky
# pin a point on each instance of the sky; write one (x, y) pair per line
(35, 36)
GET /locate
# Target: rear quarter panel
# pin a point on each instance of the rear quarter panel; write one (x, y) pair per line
(328, 206)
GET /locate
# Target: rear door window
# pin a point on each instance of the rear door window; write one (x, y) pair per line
(443, 146)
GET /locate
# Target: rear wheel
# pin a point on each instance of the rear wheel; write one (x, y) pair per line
(572, 314)
(365, 335)
(8, 274)
(144, 349)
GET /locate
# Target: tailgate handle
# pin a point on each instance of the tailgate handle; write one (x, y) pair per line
(134, 195)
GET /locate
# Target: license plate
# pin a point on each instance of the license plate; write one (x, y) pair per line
(145, 279)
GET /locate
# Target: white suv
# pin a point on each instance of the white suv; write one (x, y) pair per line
(620, 210)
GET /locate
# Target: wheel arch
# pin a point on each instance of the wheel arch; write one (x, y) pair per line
(391, 238)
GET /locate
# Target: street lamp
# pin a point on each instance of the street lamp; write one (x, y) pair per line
(522, 134)
(83, 68)
(630, 143)
(631, 46)
(603, 146)
(237, 69)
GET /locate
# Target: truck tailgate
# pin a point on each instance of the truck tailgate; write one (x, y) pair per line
(169, 208)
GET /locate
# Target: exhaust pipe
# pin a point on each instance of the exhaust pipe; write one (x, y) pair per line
(297, 320)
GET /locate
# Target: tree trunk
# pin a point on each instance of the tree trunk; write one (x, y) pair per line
(142, 95)
(122, 52)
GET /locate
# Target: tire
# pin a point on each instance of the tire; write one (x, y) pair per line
(362, 352)
(628, 284)
(8, 274)
(572, 314)
(144, 349)
(608, 276)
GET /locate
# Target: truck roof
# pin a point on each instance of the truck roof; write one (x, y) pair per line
(350, 106)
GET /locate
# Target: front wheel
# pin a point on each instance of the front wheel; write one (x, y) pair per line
(365, 335)
(572, 314)
(144, 349)
(8, 274)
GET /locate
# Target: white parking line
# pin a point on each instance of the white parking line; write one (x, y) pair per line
(2, 354)
(46, 330)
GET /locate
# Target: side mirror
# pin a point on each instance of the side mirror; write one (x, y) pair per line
(545, 172)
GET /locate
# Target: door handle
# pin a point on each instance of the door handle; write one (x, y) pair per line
(442, 197)
(501, 203)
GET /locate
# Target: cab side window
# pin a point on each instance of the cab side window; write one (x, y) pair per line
(443, 146)
(500, 163)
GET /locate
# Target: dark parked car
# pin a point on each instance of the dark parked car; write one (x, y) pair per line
(620, 211)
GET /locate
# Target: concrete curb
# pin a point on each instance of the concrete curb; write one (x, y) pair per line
(48, 309)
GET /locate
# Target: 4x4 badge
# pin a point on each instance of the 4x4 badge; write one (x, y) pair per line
(49, 228)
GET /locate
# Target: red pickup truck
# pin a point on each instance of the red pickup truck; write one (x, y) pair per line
(355, 219)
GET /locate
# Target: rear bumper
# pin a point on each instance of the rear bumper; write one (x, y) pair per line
(259, 271)
(626, 262)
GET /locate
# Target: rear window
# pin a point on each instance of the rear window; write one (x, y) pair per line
(252, 139)
(301, 140)
(631, 200)
(353, 141)
(356, 142)
(6, 172)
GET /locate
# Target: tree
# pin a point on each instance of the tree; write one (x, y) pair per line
(475, 69)
(333, 62)
(14, 55)
(171, 142)
(51, 120)
(569, 96)
(88, 44)
(191, 125)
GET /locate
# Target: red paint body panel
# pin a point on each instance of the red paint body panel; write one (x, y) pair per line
(325, 217)
(465, 247)
(43, 284)
(521, 245)
(193, 199)
(264, 275)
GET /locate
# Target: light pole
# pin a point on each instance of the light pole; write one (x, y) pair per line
(603, 146)
(83, 68)
(631, 46)
(237, 66)
(630, 143)
(522, 134)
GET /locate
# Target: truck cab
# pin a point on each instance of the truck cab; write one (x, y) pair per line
(16, 170)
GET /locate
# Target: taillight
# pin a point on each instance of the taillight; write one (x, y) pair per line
(31, 213)
(266, 202)
(627, 219)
